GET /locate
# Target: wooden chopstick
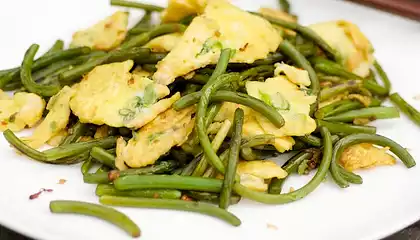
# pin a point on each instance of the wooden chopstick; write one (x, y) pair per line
(406, 8)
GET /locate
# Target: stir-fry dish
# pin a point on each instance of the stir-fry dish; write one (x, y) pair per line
(192, 111)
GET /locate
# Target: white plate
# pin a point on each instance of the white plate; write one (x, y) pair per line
(388, 200)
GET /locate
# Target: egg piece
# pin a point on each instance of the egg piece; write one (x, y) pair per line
(164, 43)
(168, 129)
(365, 155)
(222, 25)
(345, 37)
(104, 35)
(251, 127)
(4, 96)
(291, 102)
(295, 75)
(56, 119)
(58, 138)
(111, 95)
(253, 174)
(20, 111)
(178, 9)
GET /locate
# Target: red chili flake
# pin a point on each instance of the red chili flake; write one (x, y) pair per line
(4, 123)
(186, 198)
(36, 195)
(112, 175)
(62, 181)
(156, 195)
(108, 25)
(130, 81)
(217, 34)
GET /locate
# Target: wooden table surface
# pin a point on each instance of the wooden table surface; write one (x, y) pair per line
(407, 8)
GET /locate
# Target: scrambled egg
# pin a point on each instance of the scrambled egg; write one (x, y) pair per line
(346, 38)
(253, 174)
(24, 109)
(250, 127)
(290, 101)
(164, 43)
(111, 95)
(365, 155)
(55, 121)
(222, 25)
(178, 9)
(295, 75)
(278, 14)
(170, 128)
(105, 35)
(283, 93)
(58, 138)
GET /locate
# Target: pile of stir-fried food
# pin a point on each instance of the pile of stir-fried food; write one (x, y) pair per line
(195, 108)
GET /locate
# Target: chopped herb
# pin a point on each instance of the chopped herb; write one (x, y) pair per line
(265, 97)
(149, 95)
(209, 45)
(307, 91)
(279, 102)
(152, 137)
(276, 100)
(127, 114)
(12, 118)
(137, 102)
(53, 126)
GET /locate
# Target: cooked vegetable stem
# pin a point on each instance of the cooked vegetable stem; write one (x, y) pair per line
(26, 75)
(406, 108)
(135, 4)
(108, 214)
(231, 167)
(190, 206)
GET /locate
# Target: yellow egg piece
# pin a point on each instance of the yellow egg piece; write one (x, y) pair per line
(111, 95)
(164, 43)
(365, 155)
(254, 173)
(104, 35)
(178, 9)
(345, 37)
(168, 129)
(20, 111)
(58, 138)
(251, 127)
(222, 25)
(56, 119)
(291, 102)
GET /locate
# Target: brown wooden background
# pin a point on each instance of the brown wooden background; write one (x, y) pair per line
(407, 8)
